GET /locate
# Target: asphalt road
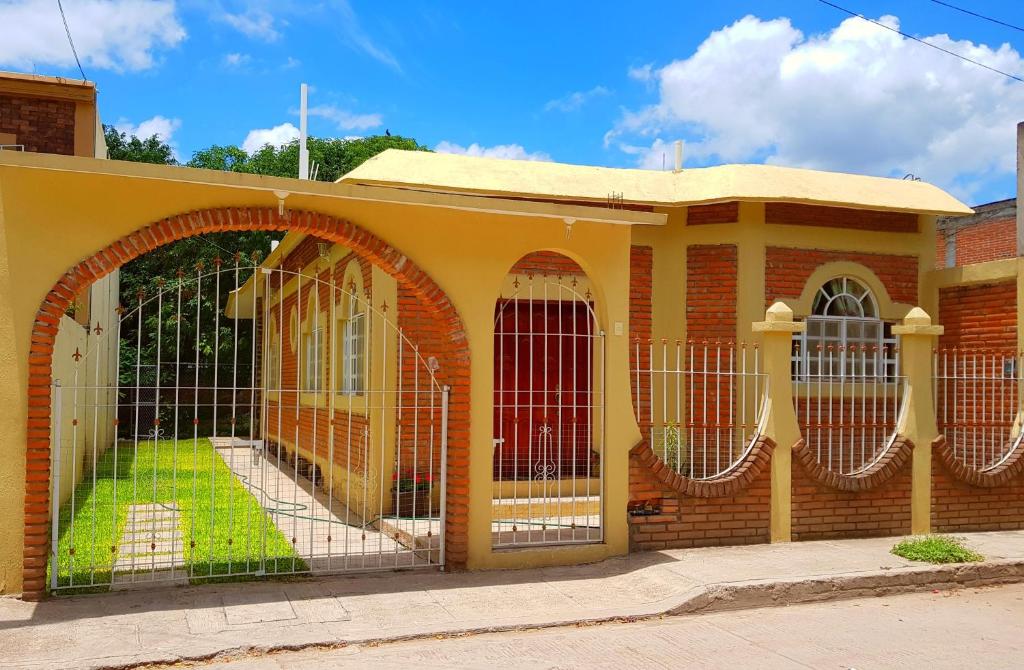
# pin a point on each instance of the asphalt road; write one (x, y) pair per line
(976, 628)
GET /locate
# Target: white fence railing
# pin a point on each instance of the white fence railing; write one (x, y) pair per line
(978, 404)
(848, 401)
(701, 406)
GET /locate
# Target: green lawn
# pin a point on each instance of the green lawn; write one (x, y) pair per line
(225, 522)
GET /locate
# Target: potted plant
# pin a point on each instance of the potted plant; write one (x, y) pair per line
(412, 493)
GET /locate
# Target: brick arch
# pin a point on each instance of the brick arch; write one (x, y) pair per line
(44, 331)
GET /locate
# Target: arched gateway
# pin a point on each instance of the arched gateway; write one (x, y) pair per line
(325, 423)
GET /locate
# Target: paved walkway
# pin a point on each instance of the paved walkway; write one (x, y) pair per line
(121, 629)
(975, 628)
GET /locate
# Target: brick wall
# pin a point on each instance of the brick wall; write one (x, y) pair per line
(988, 240)
(794, 214)
(787, 271)
(641, 269)
(722, 212)
(821, 512)
(711, 292)
(685, 521)
(979, 316)
(44, 126)
(958, 507)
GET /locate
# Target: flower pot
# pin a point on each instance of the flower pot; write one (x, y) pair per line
(411, 503)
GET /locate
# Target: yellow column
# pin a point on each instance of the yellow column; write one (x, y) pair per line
(917, 339)
(781, 425)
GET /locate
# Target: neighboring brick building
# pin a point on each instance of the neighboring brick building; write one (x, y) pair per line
(49, 115)
(988, 235)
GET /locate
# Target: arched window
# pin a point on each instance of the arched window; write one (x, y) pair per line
(845, 335)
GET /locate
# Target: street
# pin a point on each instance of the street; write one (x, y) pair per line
(948, 629)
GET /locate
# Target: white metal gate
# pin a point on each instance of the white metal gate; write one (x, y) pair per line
(286, 426)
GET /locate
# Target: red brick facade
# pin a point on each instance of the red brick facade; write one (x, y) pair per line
(60, 297)
(41, 125)
(981, 316)
(988, 235)
(794, 214)
(787, 271)
(641, 268)
(722, 212)
(711, 292)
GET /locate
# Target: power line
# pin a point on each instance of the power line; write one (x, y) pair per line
(71, 41)
(918, 39)
(980, 16)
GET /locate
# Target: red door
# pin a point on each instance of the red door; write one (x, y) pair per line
(543, 376)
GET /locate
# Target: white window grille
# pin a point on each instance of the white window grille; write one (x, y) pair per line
(353, 351)
(844, 319)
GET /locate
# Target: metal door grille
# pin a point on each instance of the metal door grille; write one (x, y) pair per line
(548, 415)
(210, 473)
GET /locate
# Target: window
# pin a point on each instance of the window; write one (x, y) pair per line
(314, 356)
(353, 349)
(845, 336)
(273, 358)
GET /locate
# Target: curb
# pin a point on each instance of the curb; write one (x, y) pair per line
(707, 599)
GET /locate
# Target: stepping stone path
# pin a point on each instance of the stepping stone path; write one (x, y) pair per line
(152, 547)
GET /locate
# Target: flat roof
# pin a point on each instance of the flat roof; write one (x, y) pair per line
(42, 86)
(452, 173)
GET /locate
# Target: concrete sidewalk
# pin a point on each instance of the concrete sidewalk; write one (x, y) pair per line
(124, 629)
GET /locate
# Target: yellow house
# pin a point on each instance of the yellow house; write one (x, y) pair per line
(466, 362)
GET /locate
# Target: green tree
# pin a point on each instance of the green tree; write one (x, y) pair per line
(122, 147)
(332, 157)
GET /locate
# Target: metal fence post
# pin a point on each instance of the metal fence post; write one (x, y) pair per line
(444, 469)
(55, 449)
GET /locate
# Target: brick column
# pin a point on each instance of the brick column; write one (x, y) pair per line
(917, 341)
(781, 425)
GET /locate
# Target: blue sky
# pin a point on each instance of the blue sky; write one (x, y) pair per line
(792, 82)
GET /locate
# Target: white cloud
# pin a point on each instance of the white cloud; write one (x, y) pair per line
(276, 136)
(510, 151)
(109, 34)
(642, 72)
(161, 126)
(858, 98)
(236, 60)
(344, 119)
(255, 22)
(575, 100)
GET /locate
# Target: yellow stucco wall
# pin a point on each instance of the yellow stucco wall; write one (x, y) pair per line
(468, 253)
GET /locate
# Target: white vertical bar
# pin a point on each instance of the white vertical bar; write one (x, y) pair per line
(58, 403)
(444, 471)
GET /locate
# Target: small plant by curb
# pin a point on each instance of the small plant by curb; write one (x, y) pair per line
(936, 549)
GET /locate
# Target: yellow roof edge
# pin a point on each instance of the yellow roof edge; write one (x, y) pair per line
(470, 175)
(427, 188)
